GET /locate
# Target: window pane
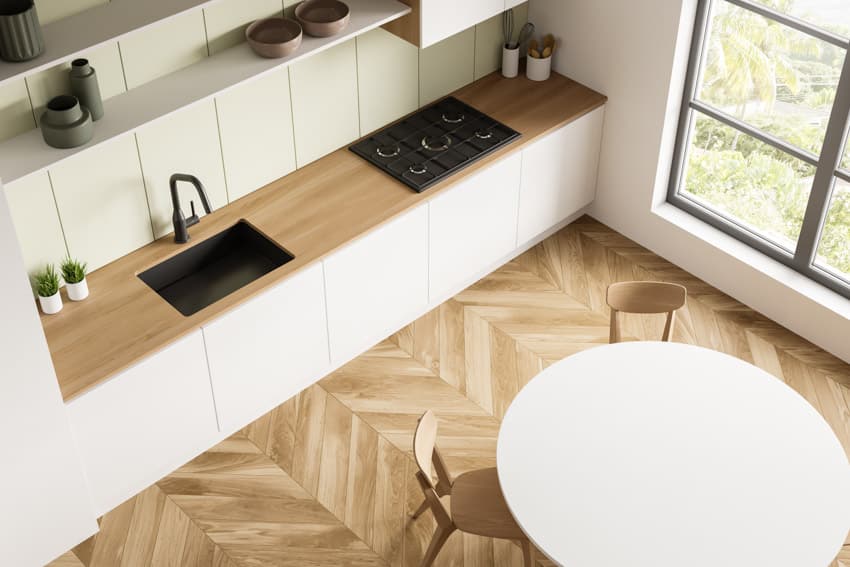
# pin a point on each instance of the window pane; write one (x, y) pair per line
(834, 247)
(760, 187)
(832, 15)
(769, 75)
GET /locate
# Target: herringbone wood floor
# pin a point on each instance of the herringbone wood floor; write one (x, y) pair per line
(327, 477)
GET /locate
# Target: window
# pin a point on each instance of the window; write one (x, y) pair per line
(762, 150)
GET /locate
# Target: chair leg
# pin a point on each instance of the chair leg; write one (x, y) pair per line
(440, 537)
(527, 553)
(421, 509)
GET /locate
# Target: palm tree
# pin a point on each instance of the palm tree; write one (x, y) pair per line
(748, 57)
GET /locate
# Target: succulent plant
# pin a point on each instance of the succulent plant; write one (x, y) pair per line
(73, 271)
(47, 281)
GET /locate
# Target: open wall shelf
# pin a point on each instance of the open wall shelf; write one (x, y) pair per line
(67, 38)
(124, 113)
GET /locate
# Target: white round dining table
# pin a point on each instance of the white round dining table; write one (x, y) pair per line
(652, 454)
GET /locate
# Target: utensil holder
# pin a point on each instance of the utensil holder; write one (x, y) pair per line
(538, 69)
(20, 32)
(510, 61)
(85, 87)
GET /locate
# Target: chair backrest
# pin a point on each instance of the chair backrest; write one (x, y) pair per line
(425, 442)
(645, 297)
(429, 460)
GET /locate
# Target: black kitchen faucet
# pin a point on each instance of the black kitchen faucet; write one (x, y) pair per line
(181, 223)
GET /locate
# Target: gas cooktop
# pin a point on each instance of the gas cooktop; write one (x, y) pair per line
(439, 140)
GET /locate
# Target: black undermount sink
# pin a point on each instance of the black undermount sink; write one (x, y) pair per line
(215, 268)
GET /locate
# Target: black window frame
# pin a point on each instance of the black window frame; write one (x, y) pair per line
(828, 163)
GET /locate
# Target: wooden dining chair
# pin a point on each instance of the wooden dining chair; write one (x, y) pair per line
(475, 502)
(645, 297)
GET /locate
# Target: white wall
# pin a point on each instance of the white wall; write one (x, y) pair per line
(636, 53)
(45, 507)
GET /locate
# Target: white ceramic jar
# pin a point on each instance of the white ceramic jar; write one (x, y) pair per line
(538, 69)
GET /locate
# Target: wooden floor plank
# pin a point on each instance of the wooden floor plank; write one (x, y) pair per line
(144, 528)
(306, 461)
(171, 538)
(336, 444)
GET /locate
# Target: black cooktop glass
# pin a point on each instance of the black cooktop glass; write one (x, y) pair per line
(439, 140)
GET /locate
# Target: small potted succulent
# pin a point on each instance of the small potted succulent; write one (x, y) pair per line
(74, 274)
(47, 288)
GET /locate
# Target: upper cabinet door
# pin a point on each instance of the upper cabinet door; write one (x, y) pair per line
(145, 422)
(268, 349)
(559, 175)
(473, 226)
(440, 19)
(377, 284)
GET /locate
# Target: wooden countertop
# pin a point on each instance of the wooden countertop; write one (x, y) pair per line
(310, 212)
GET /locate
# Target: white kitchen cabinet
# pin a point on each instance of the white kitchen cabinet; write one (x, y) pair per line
(268, 349)
(145, 422)
(472, 226)
(432, 21)
(45, 508)
(377, 284)
(559, 175)
(440, 19)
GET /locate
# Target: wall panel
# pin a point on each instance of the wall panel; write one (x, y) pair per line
(255, 121)
(324, 102)
(102, 203)
(185, 142)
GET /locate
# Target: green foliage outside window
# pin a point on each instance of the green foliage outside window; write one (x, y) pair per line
(783, 82)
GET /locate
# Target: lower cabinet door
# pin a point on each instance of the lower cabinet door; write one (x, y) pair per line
(472, 226)
(268, 349)
(377, 284)
(559, 175)
(145, 422)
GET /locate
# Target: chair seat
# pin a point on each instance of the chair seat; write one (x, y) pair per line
(478, 507)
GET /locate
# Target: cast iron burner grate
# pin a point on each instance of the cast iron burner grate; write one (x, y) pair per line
(439, 140)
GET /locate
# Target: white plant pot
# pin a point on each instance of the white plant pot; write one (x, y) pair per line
(77, 291)
(538, 69)
(52, 304)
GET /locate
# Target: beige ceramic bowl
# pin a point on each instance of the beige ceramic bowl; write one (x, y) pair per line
(323, 18)
(274, 37)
